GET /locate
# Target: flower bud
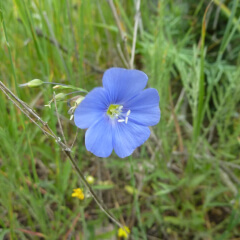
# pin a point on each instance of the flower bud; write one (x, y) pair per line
(130, 189)
(75, 101)
(56, 86)
(60, 96)
(63, 86)
(33, 83)
(90, 179)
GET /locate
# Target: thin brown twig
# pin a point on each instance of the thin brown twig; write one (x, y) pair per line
(7, 91)
(25, 113)
(63, 146)
(75, 220)
(137, 19)
(121, 31)
(114, 11)
(121, 55)
(31, 233)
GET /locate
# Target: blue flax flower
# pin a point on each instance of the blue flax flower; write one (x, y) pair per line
(118, 114)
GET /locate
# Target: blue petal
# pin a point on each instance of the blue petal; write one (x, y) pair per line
(98, 138)
(127, 137)
(123, 84)
(144, 108)
(92, 108)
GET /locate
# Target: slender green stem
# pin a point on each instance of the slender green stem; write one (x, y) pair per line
(85, 230)
(136, 203)
(199, 116)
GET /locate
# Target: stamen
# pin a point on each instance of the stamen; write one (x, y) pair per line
(127, 114)
(115, 111)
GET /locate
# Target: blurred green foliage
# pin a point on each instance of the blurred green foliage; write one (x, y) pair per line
(183, 183)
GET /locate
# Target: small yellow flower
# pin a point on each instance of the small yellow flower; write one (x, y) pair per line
(123, 232)
(77, 192)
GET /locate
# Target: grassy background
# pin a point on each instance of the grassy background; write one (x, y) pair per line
(184, 182)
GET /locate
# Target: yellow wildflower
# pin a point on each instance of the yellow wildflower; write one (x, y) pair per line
(77, 192)
(123, 232)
